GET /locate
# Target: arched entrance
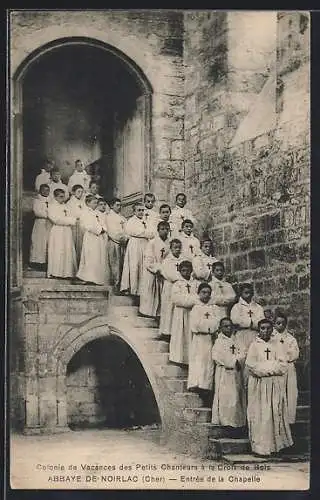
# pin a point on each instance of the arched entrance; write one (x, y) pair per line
(78, 98)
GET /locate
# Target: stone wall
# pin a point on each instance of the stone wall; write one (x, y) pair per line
(247, 149)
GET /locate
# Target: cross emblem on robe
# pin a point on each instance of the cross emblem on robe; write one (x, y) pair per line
(182, 217)
(191, 248)
(122, 224)
(250, 314)
(47, 204)
(79, 206)
(97, 217)
(177, 266)
(209, 266)
(162, 252)
(207, 315)
(267, 351)
(146, 215)
(209, 330)
(144, 224)
(232, 348)
(65, 212)
(281, 341)
(188, 287)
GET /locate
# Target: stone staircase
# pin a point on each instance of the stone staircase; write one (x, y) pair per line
(187, 424)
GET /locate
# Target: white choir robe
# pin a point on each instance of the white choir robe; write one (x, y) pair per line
(153, 226)
(170, 273)
(229, 403)
(184, 297)
(76, 208)
(190, 246)
(132, 272)
(62, 260)
(291, 349)
(150, 216)
(204, 322)
(152, 281)
(117, 240)
(42, 178)
(93, 262)
(178, 215)
(80, 178)
(246, 316)
(58, 185)
(223, 295)
(202, 266)
(40, 231)
(267, 412)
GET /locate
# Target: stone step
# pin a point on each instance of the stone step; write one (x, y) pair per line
(143, 333)
(124, 300)
(301, 428)
(219, 431)
(177, 384)
(156, 346)
(197, 415)
(232, 446)
(301, 445)
(170, 371)
(139, 322)
(124, 311)
(187, 399)
(303, 398)
(158, 358)
(303, 412)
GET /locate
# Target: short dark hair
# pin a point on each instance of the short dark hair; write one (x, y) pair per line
(175, 240)
(75, 187)
(187, 221)
(113, 201)
(203, 285)
(163, 224)
(280, 314)
(90, 197)
(185, 263)
(204, 239)
(223, 319)
(45, 185)
(217, 263)
(265, 320)
(164, 205)
(243, 286)
(55, 170)
(181, 194)
(149, 195)
(93, 181)
(58, 191)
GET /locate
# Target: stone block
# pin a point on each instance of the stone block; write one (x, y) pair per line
(257, 258)
(170, 168)
(163, 149)
(240, 262)
(177, 150)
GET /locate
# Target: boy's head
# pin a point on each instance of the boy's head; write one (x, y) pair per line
(207, 246)
(280, 321)
(165, 212)
(265, 327)
(101, 205)
(78, 166)
(91, 201)
(48, 165)
(59, 195)
(94, 187)
(218, 270)
(176, 247)
(149, 200)
(55, 175)
(138, 210)
(185, 269)
(204, 292)
(181, 200)
(77, 191)
(44, 190)
(115, 204)
(163, 229)
(187, 226)
(246, 292)
(226, 327)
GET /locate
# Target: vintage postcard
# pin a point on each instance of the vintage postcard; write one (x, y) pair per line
(159, 220)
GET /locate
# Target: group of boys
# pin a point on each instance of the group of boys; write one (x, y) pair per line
(228, 344)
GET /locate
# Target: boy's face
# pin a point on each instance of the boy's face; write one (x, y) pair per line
(139, 211)
(78, 193)
(93, 203)
(185, 272)
(265, 331)
(165, 213)
(226, 327)
(187, 228)
(163, 232)
(94, 188)
(117, 207)
(176, 249)
(101, 206)
(56, 176)
(218, 271)
(181, 201)
(45, 191)
(204, 295)
(247, 294)
(149, 202)
(280, 324)
(79, 166)
(60, 198)
(206, 247)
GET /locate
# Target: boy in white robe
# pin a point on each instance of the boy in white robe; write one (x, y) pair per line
(41, 229)
(44, 177)
(117, 240)
(76, 206)
(93, 262)
(170, 272)
(204, 323)
(136, 230)
(79, 176)
(62, 260)
(152, 282)
(56, 183)
(223, 293)
(229, 403)
(190, 244)
(164, 216)
(184, 297)
(291, 349)
(267, 412)
(150, 216)
(245, 315)
(180, 212)
(202, 263)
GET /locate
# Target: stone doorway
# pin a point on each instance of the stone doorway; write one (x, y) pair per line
(108, 387)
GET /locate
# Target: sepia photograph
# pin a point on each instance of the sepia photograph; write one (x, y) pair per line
(158, 329)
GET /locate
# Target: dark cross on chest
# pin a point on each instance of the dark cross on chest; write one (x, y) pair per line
(47, 204)
(97, 217)
(146, 215)
(122, 224)
(232, 348)
(182, 217)
(281, 341)
(209, 331)
(177, 266)
(207, 315)
(79, 206)
(250, 314)
(191, 248)
(65, 212)
(267, 351)
(188, 287)
(144, 224)
(162, 252)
